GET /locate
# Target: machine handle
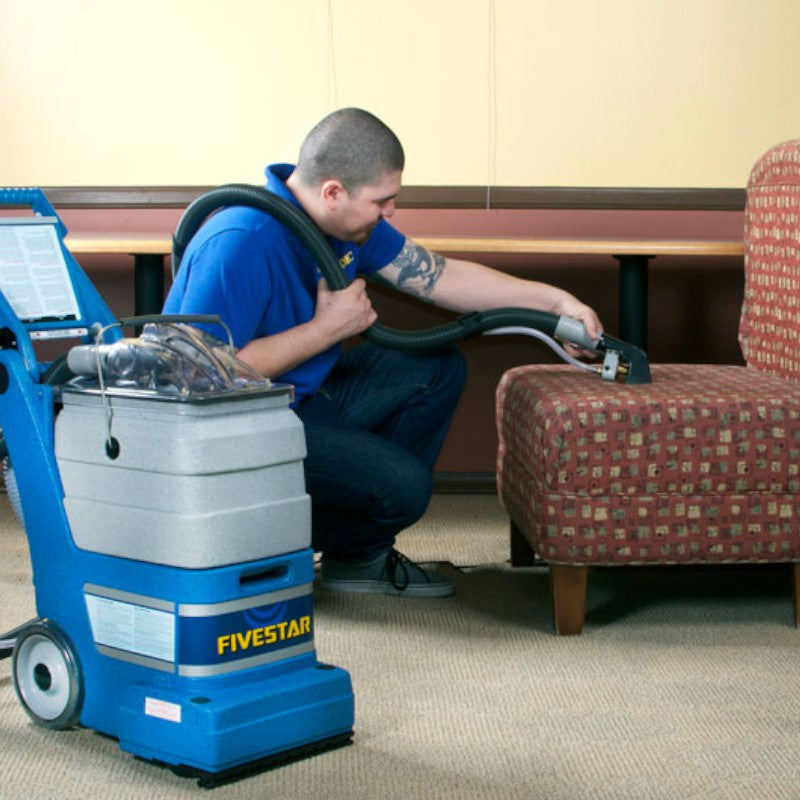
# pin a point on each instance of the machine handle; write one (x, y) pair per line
(146, 319)
(155, 319)
(34, 199)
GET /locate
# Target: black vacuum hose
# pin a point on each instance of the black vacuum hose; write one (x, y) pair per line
(463, 327)
(56, 374)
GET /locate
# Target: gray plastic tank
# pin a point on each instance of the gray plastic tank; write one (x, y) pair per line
(197, 482)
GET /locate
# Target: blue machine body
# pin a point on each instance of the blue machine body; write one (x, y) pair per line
(212, 671)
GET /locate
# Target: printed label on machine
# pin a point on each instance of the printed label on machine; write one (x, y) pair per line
(59, 333)
(132, 627)
(34, 277)
(221, 639)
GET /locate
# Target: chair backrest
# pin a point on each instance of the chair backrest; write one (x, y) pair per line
(769, 328)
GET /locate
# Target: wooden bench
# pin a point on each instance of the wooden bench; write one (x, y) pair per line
(633, 255)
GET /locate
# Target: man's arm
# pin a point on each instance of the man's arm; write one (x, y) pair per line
(464, 286)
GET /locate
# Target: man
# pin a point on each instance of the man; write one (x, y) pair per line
(374, 418)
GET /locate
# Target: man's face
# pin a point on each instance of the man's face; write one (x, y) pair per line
(359, 211)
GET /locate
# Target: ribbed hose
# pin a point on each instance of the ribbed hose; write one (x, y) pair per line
(12, 490)
(236, 194)
(56, 374)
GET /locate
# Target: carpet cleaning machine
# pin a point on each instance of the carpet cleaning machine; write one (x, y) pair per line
(160, 484)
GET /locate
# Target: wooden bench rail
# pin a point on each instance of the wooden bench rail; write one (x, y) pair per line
(160, 243)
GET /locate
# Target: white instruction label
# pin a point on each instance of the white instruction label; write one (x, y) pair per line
(131, 627)
(34, 276)
(162, 709)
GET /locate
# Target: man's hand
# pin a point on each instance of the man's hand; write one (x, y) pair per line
(337, 316)
(343, 313)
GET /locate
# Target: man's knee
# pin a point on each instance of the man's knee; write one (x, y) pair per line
(447, 374)
(402, 492)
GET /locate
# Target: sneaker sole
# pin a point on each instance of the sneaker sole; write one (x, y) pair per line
(382, 587)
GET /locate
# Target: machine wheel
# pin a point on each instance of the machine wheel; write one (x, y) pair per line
(47, 676)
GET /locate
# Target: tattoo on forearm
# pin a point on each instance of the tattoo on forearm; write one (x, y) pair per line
(418, 269)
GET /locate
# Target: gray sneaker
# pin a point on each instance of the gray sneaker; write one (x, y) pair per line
(392, 574)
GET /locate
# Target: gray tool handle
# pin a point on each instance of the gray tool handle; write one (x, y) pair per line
(573, 331)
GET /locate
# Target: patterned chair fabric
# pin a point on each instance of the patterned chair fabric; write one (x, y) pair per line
(769, 329)
(700, 466)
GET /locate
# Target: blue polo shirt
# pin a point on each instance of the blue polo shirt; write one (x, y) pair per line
(260, 279)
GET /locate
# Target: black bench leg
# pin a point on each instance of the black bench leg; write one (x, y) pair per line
(522, 554)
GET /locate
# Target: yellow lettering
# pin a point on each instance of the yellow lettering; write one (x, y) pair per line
(259, 637)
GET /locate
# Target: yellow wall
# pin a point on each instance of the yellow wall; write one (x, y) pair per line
(509, 92)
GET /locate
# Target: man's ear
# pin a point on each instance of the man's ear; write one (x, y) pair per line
(331, 193)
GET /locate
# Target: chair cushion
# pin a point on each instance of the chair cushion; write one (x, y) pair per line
(703, 464)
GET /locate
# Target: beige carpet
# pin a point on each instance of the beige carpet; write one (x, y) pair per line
(683, 685)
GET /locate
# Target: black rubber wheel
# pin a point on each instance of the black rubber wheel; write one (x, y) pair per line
(47, 677)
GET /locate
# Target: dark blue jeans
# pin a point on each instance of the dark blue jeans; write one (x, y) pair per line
(373, 432)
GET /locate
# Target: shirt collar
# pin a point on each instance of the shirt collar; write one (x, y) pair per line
(277, 175)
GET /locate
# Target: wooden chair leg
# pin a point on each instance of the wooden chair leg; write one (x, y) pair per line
(522, 554)
(569, 597)
(796, 593)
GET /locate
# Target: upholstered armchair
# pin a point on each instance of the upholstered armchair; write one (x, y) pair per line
(701, 466)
